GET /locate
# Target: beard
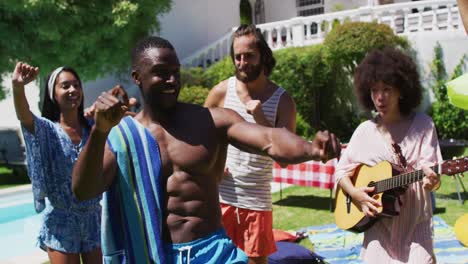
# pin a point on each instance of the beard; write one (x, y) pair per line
(160, 102)
(249, 74)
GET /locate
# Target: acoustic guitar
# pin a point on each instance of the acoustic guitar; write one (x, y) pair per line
(349, 215)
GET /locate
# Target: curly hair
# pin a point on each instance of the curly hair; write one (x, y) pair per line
(266, 55)
(51, 109)
(394, 68)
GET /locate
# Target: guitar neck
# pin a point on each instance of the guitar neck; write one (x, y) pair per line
(402, 180)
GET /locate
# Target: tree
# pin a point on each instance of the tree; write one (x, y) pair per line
(245, 10)
(94, 37)
(450, 121)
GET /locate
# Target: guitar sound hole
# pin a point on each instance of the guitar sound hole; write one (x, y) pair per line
(371, 184)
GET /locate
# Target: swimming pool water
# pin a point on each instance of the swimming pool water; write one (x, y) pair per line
(8, 214)
(19, 225)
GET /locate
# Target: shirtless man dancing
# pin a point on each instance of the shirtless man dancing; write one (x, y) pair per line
(192, 143)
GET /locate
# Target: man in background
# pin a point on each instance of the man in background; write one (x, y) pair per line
(245, 191)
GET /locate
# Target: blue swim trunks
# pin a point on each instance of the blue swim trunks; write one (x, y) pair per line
(70, 231)
(212, 249)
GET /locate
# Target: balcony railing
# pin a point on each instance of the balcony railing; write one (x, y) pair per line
(403, 18)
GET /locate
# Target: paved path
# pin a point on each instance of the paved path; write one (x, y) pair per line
(11, 190)
(38, 257)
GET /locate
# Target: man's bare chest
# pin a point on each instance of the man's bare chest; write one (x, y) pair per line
(196, 154)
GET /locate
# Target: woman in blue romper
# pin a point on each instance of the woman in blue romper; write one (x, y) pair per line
(70, 228)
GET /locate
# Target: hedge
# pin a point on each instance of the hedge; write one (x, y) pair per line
(193, 94)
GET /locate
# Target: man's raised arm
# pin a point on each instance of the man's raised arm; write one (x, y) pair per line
(278, 143)
(95, 168)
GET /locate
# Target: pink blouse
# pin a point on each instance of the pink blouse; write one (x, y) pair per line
(407, 238)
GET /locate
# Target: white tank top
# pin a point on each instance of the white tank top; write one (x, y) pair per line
(248, 183)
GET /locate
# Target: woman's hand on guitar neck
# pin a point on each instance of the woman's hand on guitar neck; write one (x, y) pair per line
(368, 204)
(431, 180)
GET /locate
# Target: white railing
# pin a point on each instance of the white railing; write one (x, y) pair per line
(403, 18)
(207, 55)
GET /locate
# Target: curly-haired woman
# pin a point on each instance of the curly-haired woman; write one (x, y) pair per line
(387, 82)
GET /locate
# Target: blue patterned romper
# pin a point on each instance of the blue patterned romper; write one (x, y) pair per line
(68, 225)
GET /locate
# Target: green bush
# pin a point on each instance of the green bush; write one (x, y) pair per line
(219, 71)
(349, 43)
(326, 24)
(192, 76)
(304, 74)
(303, 128)
(450, 121)
(193, 94)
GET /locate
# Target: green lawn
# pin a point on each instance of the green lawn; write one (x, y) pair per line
(4, 170)
(8, 179)
(305, 206)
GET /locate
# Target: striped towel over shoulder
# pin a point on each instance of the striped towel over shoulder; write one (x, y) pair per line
(132, 214)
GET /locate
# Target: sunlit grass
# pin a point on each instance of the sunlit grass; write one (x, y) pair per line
(8, 179)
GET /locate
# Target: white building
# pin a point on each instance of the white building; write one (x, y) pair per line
(191, 25)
